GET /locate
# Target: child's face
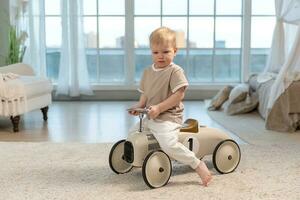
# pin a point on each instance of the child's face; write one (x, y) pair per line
(163, 55)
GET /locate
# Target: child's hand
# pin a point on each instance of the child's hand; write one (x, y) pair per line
(132, 112)
(154, 111)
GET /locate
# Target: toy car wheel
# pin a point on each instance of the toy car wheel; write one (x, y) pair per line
(116, 161)
(226, 156)
(157, 169)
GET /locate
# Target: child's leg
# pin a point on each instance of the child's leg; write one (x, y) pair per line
(166, 134)
(204, 173)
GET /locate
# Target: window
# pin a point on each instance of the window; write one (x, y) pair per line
(209, 34)
(227, 58)
(104, 28)
(263, 18)
(53, 37)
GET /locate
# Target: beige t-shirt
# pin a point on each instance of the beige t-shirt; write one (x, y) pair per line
(158, 84)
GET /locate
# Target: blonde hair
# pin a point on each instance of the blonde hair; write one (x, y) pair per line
(163, 35)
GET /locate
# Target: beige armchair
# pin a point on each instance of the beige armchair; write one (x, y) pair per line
(37, 92)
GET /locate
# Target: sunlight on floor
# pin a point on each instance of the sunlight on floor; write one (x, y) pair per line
(89, 121)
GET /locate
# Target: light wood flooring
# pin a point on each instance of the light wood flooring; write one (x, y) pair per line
(88, 122)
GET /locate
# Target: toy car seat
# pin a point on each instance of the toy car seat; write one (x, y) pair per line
(190, 125)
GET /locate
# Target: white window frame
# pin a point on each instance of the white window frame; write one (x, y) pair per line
(129, 61)
(129, 36)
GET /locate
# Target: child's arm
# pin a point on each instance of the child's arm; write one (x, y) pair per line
(170, 102)
(140, 104)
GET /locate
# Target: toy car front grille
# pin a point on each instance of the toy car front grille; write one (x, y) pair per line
(128, 152)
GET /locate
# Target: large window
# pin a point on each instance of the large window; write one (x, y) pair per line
(53, 37)
(262, 26)
(209, 34)
(104, 28)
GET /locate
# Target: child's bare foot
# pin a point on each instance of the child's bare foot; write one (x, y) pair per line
(204, 173)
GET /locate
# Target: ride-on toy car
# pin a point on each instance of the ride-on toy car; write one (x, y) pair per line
(141, 149)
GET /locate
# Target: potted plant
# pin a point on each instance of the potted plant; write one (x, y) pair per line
(16, 46)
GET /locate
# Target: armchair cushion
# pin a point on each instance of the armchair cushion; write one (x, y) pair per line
(36, 86)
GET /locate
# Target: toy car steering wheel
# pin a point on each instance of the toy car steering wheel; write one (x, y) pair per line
(139, 110)
(142, 112)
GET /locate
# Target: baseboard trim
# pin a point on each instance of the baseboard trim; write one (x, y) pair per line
(199, 94)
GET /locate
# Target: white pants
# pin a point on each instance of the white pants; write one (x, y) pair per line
(166, 133)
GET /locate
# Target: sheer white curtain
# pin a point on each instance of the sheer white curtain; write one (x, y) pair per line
(277, 52)
(35, 54)
(73, 74)
(290, 69)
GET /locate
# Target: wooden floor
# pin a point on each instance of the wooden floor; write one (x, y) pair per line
(88, 122)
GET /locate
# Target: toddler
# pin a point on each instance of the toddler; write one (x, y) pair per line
(162, 89)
